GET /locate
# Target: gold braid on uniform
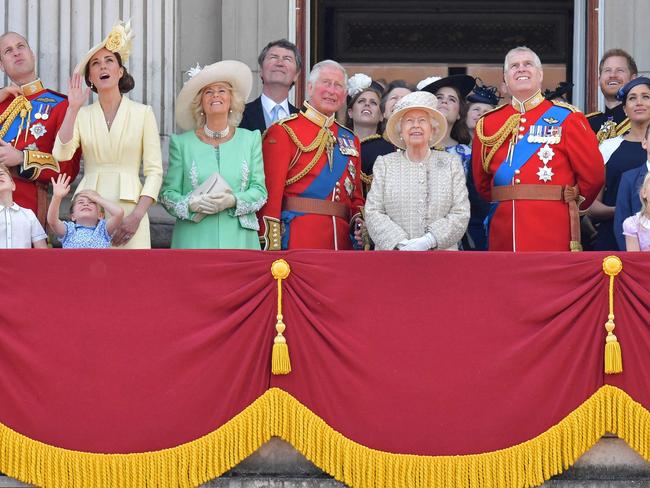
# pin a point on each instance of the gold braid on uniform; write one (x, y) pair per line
(367, 179)
(494, 142)
(323, 141)
(7, 117)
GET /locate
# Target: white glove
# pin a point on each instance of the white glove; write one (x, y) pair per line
(203, 204)
(423, 243)
(224, 200)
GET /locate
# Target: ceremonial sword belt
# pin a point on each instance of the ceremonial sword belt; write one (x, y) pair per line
(567, 194)
(316, 206)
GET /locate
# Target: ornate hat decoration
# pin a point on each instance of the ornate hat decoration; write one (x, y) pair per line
(622, 93)
(235, 73)
(484, 94)
(417, 100)
(562, 89)
(359, 83)
(119, 40)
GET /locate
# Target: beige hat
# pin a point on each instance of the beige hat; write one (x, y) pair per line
(417, 100)
(236, 73)
(119, 40)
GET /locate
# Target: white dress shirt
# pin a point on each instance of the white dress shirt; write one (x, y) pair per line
(19, 227)
(268, 104)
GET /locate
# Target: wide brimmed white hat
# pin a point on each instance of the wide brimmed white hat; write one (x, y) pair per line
(119, 40)
(235, 73)
(417, 100)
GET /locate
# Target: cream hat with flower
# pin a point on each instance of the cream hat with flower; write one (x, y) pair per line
(235, 73)
(119, 40)
(417, 100)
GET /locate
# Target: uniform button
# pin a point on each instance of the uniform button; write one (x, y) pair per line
(523, 120)
(517, 181)
(521, 129)
(337, 198)
(521, 136)
(338, 183)
(517, 171)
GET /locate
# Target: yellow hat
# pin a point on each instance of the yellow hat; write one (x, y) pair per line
(119, 40)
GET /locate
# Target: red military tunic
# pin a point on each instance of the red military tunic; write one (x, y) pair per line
(43, 116)
(536, 225)
(292, 170)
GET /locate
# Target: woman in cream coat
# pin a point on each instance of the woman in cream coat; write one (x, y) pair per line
(418, 199)
(117, 137)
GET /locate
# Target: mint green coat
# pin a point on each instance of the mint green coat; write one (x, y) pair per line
(191, 162)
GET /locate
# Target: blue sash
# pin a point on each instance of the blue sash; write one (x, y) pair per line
(322, 185)
(39, 105)
(523, 151)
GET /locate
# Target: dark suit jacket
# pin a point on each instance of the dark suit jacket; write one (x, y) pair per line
(254, 115)
(627, 200)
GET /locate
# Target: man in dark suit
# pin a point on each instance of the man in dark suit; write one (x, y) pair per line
(280, 64)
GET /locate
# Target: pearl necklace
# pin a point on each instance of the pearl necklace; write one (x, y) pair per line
(416, 162)
(216, 134)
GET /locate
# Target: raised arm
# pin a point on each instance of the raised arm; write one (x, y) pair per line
(60, 188)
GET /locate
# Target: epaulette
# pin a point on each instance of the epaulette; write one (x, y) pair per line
(496, 109)
(287, 119)
(343, 127)
(370, 138)
(593, 114)
(568, 106)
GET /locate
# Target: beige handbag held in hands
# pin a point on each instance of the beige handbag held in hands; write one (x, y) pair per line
(213, 185)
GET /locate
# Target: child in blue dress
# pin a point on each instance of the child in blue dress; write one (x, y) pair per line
(88, 228)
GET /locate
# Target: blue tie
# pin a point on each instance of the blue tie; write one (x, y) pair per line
(275, 112)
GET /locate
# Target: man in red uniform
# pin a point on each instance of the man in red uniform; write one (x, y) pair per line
(537, 161)
(312, 171)
(30, 117)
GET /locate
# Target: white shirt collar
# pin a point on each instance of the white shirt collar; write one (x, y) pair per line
(268, 105)
(647, 165)
(14, 206)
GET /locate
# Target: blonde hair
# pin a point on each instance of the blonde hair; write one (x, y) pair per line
(644, 199)
(235, 114)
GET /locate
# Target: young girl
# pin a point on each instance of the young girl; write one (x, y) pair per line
(88, 229)
(636, 228)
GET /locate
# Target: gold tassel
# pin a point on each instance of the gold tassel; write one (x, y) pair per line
(280, 362)
(612, 266)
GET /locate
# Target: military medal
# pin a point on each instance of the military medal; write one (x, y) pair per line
(46, 115)
(351, 169)
(37, 130)
(346, 146)
(38, 114)
(545, 154)
(349, 186)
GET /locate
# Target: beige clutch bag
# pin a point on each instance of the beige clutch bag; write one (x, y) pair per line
(214, 184)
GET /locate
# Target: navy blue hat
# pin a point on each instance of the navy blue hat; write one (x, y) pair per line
(462, 83)
(484, 94)
(622, 93)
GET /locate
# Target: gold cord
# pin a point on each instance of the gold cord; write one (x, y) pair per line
(494, 142)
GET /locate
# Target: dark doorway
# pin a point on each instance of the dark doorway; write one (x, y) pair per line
(419, 38)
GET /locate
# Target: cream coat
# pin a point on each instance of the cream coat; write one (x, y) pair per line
(408, 199)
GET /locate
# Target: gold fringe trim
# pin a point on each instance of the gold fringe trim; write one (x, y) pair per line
(277, 413)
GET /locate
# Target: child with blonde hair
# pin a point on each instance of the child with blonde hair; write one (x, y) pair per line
(19, 227)
(636, 228)
(88, 228)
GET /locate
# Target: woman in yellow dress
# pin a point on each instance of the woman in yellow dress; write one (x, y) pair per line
(117, 137)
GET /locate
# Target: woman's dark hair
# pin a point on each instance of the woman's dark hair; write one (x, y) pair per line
(374, 88)
(459, 130)
(389, 88)
(126, 83)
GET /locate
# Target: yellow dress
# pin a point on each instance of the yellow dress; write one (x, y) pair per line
(112, 159)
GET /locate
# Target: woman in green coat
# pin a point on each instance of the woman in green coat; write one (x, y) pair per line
(215, 181)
